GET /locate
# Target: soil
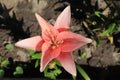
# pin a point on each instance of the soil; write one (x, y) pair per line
(17, 22)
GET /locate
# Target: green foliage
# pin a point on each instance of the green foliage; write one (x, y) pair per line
(82, 72)
(52, 74)
(109, 25)
(32, 52)
(99, 14)
(110, 30)
(48, 73)
(103, 25)
(18, 71)
(4, 63)
(36, 56)
(37, 63)
(9, 47)
(2, 72)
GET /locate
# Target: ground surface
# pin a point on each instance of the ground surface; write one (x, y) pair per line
(17, 21)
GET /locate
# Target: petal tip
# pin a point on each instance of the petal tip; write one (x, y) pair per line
(41, 70)
(17, 44)
(63, 21)
(68, 7)
(89, 40)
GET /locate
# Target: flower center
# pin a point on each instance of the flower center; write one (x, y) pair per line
(56, 44)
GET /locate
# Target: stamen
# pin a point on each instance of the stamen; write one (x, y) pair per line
(53, 47)
(56, 44)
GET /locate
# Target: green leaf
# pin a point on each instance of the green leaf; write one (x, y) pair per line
(2, 72)
(118, 26)
(82, 72)
(52, 74)
(4, 63)
(98, 13)
(37, 63)
(57, 72)
(19, 71)
(9, 47)
(37, 56)
(105, 33)
(113, 27)
(96, 29)
(110, 30)
(31, 52)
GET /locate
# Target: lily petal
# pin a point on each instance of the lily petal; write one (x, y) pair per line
(48, 31)
(63, 21)
(33, 43)
(72, 41)
(48, 54)
(43, 23)
(67, 62)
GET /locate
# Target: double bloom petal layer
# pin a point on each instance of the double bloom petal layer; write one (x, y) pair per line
(56, 42)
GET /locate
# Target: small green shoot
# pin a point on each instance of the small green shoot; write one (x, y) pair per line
(18, 71)
(99, 14)
(4, 63)
(37, 63)
(82, 72)
(2, 72)
(9, 47)
(83, 55)
(110, 30)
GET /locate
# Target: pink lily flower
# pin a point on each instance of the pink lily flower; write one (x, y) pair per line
(56, 42)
